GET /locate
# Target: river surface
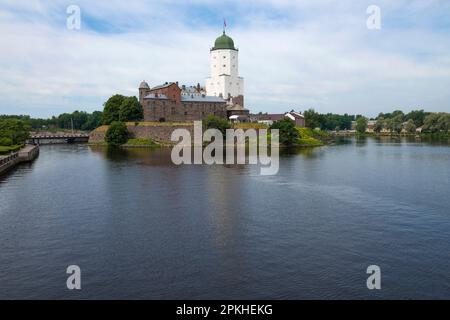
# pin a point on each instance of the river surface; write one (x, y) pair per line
(140, 227)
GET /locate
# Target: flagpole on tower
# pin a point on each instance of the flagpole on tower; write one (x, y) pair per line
(224, 25)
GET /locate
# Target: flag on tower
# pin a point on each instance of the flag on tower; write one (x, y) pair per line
(224, 23)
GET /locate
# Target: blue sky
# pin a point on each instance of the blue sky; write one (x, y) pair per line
(293, 54)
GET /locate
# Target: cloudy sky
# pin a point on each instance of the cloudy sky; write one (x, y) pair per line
(293, 54)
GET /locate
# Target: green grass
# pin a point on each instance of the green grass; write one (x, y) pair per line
(309, 142)
(249, 125)
(8, 149)
(312, 138)
(141, 142)
(313, 133)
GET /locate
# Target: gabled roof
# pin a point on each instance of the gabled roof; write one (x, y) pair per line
(297, 114)
(164, 85)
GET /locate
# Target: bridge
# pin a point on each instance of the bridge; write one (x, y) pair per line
(48, 138)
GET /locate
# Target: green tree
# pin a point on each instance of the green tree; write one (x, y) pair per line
(94, 120)
(410, 127)
(361, 124)
(379, 125)
(130, 109)
(117, 133)
(213, 122)
(397, 123)
(418, 116)
(14, 131)
(437, 122)
(111, 108)
(289, 134)
(313, 119)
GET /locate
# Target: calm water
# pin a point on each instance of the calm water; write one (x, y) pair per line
(140, 227)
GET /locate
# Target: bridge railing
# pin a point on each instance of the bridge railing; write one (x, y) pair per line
(8, 158)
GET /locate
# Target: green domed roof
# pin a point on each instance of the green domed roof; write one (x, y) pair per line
(224, 42)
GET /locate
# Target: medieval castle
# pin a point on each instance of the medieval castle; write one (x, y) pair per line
(222, 96)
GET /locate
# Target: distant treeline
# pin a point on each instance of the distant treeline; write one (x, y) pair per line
(116, 108)
(429, 122)
(81, 120)
(329, 121)
(395, 121)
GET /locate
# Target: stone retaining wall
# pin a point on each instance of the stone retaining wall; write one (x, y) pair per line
(160, 133)
(27, 153)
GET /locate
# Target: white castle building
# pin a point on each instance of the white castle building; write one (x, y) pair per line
(225, 81)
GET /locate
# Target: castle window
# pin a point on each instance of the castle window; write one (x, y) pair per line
(224, 57)
(224, 66)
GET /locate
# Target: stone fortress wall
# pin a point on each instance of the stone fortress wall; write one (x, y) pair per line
(159, 132)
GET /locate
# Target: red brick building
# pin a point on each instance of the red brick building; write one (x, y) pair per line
(167, 103)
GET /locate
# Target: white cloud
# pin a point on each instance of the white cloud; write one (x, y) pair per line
(310, 54)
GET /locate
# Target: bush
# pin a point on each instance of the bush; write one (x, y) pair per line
(6, 141)
(213, 122)
(289, 134)
(117, 134)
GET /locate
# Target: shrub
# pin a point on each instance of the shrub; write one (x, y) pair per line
(289, 134)
(6, 141)
(117, 134)
(213, 122)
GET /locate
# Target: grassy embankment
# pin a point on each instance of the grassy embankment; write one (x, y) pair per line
(313, 138)
(308, 137)
(8, 149)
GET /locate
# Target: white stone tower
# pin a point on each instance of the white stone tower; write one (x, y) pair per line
(225, 80)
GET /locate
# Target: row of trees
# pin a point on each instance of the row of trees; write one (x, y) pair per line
(116, 108)
(81, 120)
(437, 122)
(395, 121)
(328, 121)
(417, 117)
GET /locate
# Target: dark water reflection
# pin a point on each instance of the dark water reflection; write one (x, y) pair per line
(141, 227)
